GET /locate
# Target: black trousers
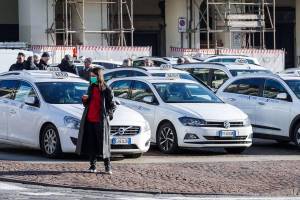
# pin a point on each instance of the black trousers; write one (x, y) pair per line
(94, 143)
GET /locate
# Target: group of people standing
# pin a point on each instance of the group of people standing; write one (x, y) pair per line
(32, 62)
(36, 63)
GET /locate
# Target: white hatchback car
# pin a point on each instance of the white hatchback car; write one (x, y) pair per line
(232, 59)
(271, 102)
(183, 113)
(216, 74)
(42, 110)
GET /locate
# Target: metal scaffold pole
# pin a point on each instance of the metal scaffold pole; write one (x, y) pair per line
(68, 10)
(244, 23)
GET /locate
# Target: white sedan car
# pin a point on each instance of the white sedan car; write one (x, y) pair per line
(183, 113)
(272, 103)
(42, 110)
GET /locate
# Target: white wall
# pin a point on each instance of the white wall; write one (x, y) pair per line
(174, 10)
(35, 16)
(95, 19)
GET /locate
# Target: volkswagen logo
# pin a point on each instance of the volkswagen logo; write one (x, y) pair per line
(226, 124)
(121, 131)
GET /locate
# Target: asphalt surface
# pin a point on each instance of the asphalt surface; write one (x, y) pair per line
(262, 150)
(14, 191)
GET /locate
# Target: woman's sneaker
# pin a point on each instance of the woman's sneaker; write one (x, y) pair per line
(92, 169)
(108, 169)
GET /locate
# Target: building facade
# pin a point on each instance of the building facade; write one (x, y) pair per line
(158, 23)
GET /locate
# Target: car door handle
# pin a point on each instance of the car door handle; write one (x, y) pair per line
(261, 103)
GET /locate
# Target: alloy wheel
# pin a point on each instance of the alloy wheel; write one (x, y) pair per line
(297, 138)
(50, 141)
(166, 139)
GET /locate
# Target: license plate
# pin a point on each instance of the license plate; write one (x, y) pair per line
(121, 141)
(228, 134)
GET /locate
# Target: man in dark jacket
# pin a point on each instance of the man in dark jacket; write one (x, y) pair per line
(29, 65)
(19, 65)
(67, 65)
(87, 69)
(43, 65)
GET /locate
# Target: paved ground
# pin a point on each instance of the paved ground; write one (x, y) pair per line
(14, 191)
(259, 171)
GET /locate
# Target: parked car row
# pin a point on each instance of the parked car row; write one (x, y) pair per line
(193, 105)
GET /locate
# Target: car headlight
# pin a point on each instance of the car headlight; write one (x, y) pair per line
(189, 121)
(247, 122)
(146, 126)
(72, 122)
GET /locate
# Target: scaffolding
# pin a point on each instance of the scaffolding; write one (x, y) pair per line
(246, 21)
(117, 15)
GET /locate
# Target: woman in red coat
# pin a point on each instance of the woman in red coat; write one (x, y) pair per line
(93, 139)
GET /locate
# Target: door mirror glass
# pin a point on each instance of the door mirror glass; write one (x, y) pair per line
(117, 102)
(282, 96)
(148, 99)
(30, 101)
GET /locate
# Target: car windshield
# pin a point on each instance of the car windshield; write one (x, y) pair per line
(239, 72)
(181, 75)
(295, 86)
(62, 92)
(185, 93)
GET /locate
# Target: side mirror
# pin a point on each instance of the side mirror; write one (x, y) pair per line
(117, 102)
(31, 101)
(282, 96)
(148, 99)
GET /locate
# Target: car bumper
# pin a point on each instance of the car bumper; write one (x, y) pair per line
(210, 137)
(140, 143)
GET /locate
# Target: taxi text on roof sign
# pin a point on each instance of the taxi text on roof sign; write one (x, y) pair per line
(59, 75)
(172, 76)
(53, 69)
(166, 67)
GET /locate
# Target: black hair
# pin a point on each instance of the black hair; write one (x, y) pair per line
(21, 54)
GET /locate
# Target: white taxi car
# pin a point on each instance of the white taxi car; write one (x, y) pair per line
(183, 113)
(232, 59)
(271, 102)
(216, 74)
(161, 71)
(42, 110)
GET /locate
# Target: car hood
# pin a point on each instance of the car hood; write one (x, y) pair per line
(120, 116)
(210, 112)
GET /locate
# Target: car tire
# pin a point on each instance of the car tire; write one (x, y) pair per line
(133, 156)
(296, 136)
(237, 150)
(166, 139)
(50, 142)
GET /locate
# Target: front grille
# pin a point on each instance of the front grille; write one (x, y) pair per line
(124, 130)
(221, 124)
(131, 146)
(222, 138)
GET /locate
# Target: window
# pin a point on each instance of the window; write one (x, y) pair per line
(137, 73)
(121, 89)
(272, 89)
(202, 74)
(25, 90)
(246, 86)
(141, 90)
(62, 92)
(215, 60)
(108, 76)
(138, 63)
(8, 88)
(218, 78)
(122, 74)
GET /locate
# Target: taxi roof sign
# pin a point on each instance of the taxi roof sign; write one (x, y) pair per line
(59, 75)
(166, 67)
(172, 76)
(53, 69)
(241, 61)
